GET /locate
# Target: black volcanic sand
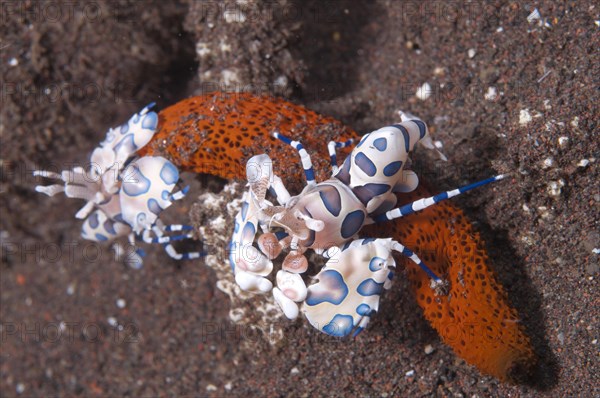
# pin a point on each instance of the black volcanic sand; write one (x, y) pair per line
(71, 71)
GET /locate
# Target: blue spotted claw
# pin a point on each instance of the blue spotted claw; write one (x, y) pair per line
(349, 287)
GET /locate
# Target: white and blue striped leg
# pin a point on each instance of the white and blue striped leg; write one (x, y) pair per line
(304, 157)
(180, 194)
(331, 147)
(426, 202)
(436, 281)
(162, 238)
(159, 230)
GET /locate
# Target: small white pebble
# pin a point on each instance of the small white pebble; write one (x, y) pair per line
(424, 92)
(438, 71)
(547, 105)
(234, 16)
(596, 250)
(491, 94)
(20, 388)
(583, 163)
(555, 187)
(534, 16)
(526, 208)
(211, 387)
(281, 81)
(224, 46)
(438, 144)
(13, 62)
(228, 386)
(471, 53)
(524, 117)
(202, 49)
(500, 29)
(121, 303)
(229, 77)
(595, 341)
(559, 260)
(71, 289)
(112, 321)
(236, 314)
(563, 141)
(410, 373)
(575, 122)
(294, 371)
(528, 240)
(429, 349)
(548, 162)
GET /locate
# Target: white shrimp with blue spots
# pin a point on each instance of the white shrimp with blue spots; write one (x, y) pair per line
(124, 194)
(326, 217)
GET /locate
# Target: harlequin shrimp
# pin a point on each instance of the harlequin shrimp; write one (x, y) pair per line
(327, 217)
(125, 194)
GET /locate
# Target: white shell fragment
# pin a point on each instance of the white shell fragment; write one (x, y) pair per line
(424, 91)
(554, 188)
(563, 141)
(491, 94)
(524, 117)
(583, 163)
(534, 16)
